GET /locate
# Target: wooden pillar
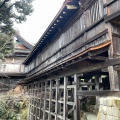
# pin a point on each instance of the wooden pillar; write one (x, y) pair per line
(50, 96)
(114, 52)
(44, 102)
(114, 79)
(97, 87)
(40, 100)
(29, 109)
(56, 103)
(76, 100)
(65, 99)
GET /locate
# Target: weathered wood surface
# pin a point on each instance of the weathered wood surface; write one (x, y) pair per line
(98, 93)
(55, 96)
(87, 30)
(53, 101)
(88, 25)
(78, 33)
(111, 62)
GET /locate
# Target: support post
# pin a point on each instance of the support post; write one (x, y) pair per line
(50, 96)
(76, 100)
(56, 105)
(65, 99)
(114, 52)
(97, 87)
(114, 79)
(44, 108)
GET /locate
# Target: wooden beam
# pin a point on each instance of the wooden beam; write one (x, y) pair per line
(104, 69)
(98, 93)
(109, 2)
(112, 16)
(91, 68)
(99, 58)
(116, 35)
(76, 100)
(86, 83)
(116, 67)
(99, 51)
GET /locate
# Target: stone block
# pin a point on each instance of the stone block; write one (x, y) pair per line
(103, 109)
(101, 101)
(109, 102)
(104, 101)
(109, 111)
(102, 116)
(116, 102)
(100, 108)
(119, 114)
(109, 117)
(115, 118)
(115, 111)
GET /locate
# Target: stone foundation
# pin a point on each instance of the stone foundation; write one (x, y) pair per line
(109, 109)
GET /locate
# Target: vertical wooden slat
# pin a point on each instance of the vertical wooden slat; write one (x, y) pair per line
(76, 100)
(97, 87)
(40, 99)
(50, 96)
(56, 103)
(29, 110)
(97, 11)
(100, 8)
(44, 102)
(93, 14)
(65, 98)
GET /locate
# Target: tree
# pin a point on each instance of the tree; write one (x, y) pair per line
(13, 11)
(6, 45)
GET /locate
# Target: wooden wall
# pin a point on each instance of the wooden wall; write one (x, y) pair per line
(88, 30)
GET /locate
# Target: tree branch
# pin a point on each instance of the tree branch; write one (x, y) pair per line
(3, 3)
(10, 7)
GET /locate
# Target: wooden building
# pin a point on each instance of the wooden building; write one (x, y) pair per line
(12, 68)
(77, 56)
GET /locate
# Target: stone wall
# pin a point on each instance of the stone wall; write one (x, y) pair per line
(109, 108)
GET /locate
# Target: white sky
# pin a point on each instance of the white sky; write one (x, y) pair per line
(36, 24)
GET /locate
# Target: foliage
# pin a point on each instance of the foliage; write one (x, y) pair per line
(13, 108)
(13, 11)
(6, 45)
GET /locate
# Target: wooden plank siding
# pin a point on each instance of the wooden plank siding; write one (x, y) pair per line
(113, 7)
(89, 24)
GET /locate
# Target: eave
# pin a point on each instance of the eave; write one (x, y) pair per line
(53, 29)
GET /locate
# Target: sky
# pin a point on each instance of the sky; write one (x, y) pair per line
(37, 23)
